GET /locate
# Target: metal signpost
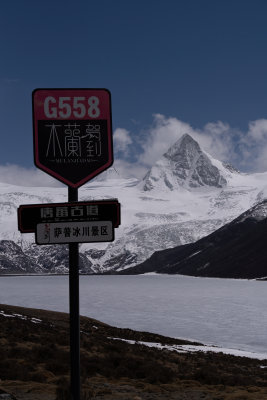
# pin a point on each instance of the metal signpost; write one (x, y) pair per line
(73, 143)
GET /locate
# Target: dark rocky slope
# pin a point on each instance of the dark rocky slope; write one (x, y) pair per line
(237, 250)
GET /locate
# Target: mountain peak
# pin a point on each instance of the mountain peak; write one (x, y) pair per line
(184, 165)
(185, 138)
(185, 146)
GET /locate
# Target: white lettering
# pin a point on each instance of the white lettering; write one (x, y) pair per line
(81, 106)
(71, 106)
(93, 110)
(62, 105)
(50, 112)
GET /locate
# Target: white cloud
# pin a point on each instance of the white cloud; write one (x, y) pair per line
(17, 175)
(216, 138)
(158, 138)
(219, 140)
(246, 150)
(254, 146)
(258, 130)
(259, 163)
(122, 140)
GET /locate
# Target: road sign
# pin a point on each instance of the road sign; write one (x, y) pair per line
(29, 215)
(70, 232)
(72, 133)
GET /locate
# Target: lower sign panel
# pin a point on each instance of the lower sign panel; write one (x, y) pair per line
(69, 232)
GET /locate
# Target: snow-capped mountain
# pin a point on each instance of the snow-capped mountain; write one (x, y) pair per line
(184, 197)
(236, 250)
(185, 165)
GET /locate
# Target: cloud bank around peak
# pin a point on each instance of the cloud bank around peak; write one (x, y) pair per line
(216, 138)
(246, 150)
(122, 140)
(136, 153)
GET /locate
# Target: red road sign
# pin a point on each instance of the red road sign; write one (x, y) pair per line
(72, 133)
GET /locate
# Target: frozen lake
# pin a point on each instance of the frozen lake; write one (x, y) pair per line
(224, 312)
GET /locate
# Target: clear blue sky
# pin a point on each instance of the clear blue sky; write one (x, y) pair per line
(196, 60)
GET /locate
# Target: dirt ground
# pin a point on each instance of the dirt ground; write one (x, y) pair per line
(34, 363)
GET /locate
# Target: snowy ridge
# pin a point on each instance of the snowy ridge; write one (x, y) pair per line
(258, 212)
(185, 196)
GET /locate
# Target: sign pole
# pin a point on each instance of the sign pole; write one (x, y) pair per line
(74, 309)
(72, 131)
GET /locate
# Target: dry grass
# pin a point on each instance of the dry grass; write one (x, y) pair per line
(34, 364)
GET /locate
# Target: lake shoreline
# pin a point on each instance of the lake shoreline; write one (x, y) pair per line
(122, 274)
(116, 363)
(185, 344)
(173, 306)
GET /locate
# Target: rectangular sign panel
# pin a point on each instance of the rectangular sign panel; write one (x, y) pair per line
(29, 215)
(72, 133)
(69, 232)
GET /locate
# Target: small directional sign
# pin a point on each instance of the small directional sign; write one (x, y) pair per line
(69, 232)
(72, 133)
(29, 215)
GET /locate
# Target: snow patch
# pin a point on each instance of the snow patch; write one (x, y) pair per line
(193, 348)
(20, 316)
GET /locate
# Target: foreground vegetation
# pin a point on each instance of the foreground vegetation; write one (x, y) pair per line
(34, 363)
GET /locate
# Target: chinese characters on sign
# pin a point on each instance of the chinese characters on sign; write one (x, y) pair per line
(69, 211)
(83, 222)
(73, 142)
(68, 232)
